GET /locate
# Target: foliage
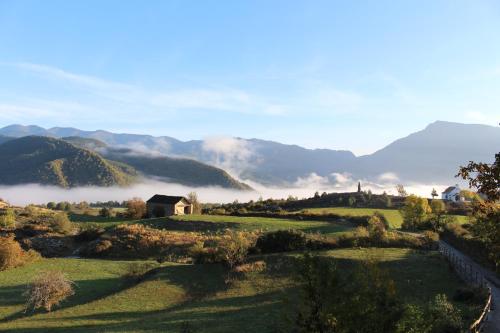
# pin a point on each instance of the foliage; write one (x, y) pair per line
(401, 190)
(61, 224)
(485, 177)
(136, 208)
(437, 218)
(8, 218)
(365, 301)
(49, 289)
(106, 212)
(12, 255)
(376, 227)
(233, 247)
(193, 198)
(414, 212)
(281, 241)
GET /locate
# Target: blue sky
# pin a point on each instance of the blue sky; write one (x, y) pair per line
(322, 74)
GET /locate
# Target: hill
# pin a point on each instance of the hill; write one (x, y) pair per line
(431, 155)
(49, 161)
(179, 170)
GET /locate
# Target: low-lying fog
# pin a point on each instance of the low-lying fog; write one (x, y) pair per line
(38, 194)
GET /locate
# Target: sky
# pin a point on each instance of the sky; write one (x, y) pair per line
(350, 75)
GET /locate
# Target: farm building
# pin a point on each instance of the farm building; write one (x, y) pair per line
(452, 193)
(166, 205)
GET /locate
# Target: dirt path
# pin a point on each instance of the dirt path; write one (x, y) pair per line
(475, 273)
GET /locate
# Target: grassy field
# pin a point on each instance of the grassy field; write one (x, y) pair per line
(393, 216)
(203, 223)
(197, 294)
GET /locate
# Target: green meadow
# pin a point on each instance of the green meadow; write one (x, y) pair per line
(199, 296)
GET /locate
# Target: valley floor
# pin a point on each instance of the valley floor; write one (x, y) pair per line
(198, 296)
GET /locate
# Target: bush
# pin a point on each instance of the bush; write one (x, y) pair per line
(8, 219)
(61, 224)
(233, 248)
(136, 208)
(444, 317)
(48, 290)
(12, 255)
(89, 234)
(137, 271)
(106, 212)
(203, 255)
(281, 241)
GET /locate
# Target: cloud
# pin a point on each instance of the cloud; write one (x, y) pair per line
(312, 180)
(12, 112)
(231, 154)
(341, 178)
(204, 98)
(40, 194)
(388, 177)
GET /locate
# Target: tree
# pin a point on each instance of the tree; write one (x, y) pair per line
(106, 212)
(401, 190)
(193, 198)
(136, 208)
(48, 290)
(61, 224)
(351, 201)
(434, 193)
(414, 212)
(51, 205)
(485, 177)
(359, 187)
(438, 209)
(8, 218)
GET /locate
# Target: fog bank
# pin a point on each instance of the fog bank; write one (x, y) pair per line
(38, 194)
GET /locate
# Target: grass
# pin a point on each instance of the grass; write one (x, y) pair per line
(198, 294)
(205, 223)
(266, 223)
(393, 216)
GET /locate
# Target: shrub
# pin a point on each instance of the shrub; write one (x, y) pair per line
(8, 219)
(89, 234)
(137, 271)
(203, 255)
(444, 317)
(233, 248)
(12, 255)
(48, 290)
(257, 266)
(376, 227)
(106, 212)
(281, 241)
(136, 208)
(61, 224)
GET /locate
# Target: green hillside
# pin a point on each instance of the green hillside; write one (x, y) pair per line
(49, 161)
(179, 170)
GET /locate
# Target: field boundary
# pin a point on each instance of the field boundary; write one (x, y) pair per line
(477, 276)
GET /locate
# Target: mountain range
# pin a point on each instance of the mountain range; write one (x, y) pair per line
(431, 155)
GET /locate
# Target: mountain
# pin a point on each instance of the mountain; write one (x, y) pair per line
(433, 154)
(178, 170)
(75, 161)
(430, 155)
(44, 160)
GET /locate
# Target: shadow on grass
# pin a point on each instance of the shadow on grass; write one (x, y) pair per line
(85, 291)
(255, 313)
(196, 226)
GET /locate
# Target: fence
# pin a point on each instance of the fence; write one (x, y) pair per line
(472, 276)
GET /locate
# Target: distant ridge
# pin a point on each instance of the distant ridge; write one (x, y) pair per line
(430, 155)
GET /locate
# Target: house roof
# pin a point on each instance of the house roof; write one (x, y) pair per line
(166, 199)
(449, 189)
